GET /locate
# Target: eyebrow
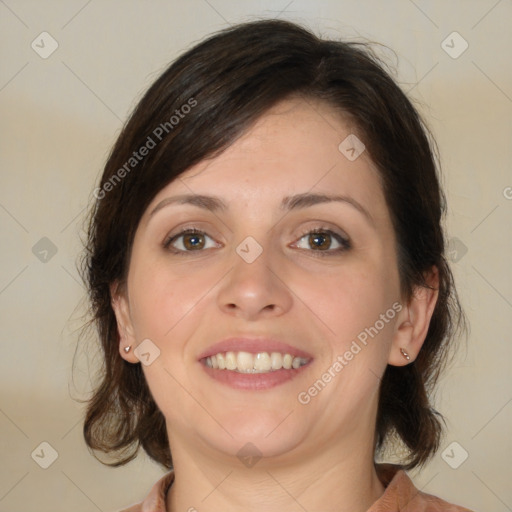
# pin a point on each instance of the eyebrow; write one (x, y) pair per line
(289, 203)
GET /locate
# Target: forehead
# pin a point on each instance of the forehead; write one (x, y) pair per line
(293, 148)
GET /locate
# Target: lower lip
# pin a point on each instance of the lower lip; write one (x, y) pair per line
(253, 381)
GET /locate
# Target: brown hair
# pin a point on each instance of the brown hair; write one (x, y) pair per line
(199, 106)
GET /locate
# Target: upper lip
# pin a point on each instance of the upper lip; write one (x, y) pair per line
(253, 345)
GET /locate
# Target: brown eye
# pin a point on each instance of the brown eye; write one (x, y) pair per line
(187, 241)
(193, 241)
(320, 241)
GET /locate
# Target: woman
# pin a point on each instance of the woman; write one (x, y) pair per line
(267, 274)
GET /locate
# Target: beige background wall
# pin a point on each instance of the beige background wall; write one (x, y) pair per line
(60, 116)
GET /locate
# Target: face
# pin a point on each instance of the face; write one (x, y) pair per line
(275, 268)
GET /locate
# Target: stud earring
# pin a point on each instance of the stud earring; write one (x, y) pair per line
(127, 349)
(405, 354)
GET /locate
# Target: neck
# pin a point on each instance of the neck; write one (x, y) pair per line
(337, 478)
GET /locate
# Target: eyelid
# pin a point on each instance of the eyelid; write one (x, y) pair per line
(193, 226)
(342, 239)
(320, 225)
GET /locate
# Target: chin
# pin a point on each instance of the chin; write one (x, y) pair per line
(259, 433)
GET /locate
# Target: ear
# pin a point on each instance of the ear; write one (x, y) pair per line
(120, 305)
(414, 320)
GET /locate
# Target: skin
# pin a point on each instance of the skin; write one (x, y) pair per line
(315, 456)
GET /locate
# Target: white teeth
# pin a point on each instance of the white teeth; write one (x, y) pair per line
(287, 361)
(230, 361)
(277, 360)
(244, 361)
(262, 362)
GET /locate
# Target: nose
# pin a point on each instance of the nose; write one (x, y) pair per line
(256, 289)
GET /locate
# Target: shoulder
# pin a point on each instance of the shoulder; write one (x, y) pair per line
(155, 500)
(402, 496)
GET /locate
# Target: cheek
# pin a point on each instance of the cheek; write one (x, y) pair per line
(162, 299)
(356, 306)
(346, 300)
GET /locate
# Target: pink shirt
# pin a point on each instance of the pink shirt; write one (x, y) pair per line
(400, 495)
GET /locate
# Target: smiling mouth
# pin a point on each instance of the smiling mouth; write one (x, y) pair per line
(261, 362)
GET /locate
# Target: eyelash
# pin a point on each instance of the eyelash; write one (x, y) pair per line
(344, 243)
